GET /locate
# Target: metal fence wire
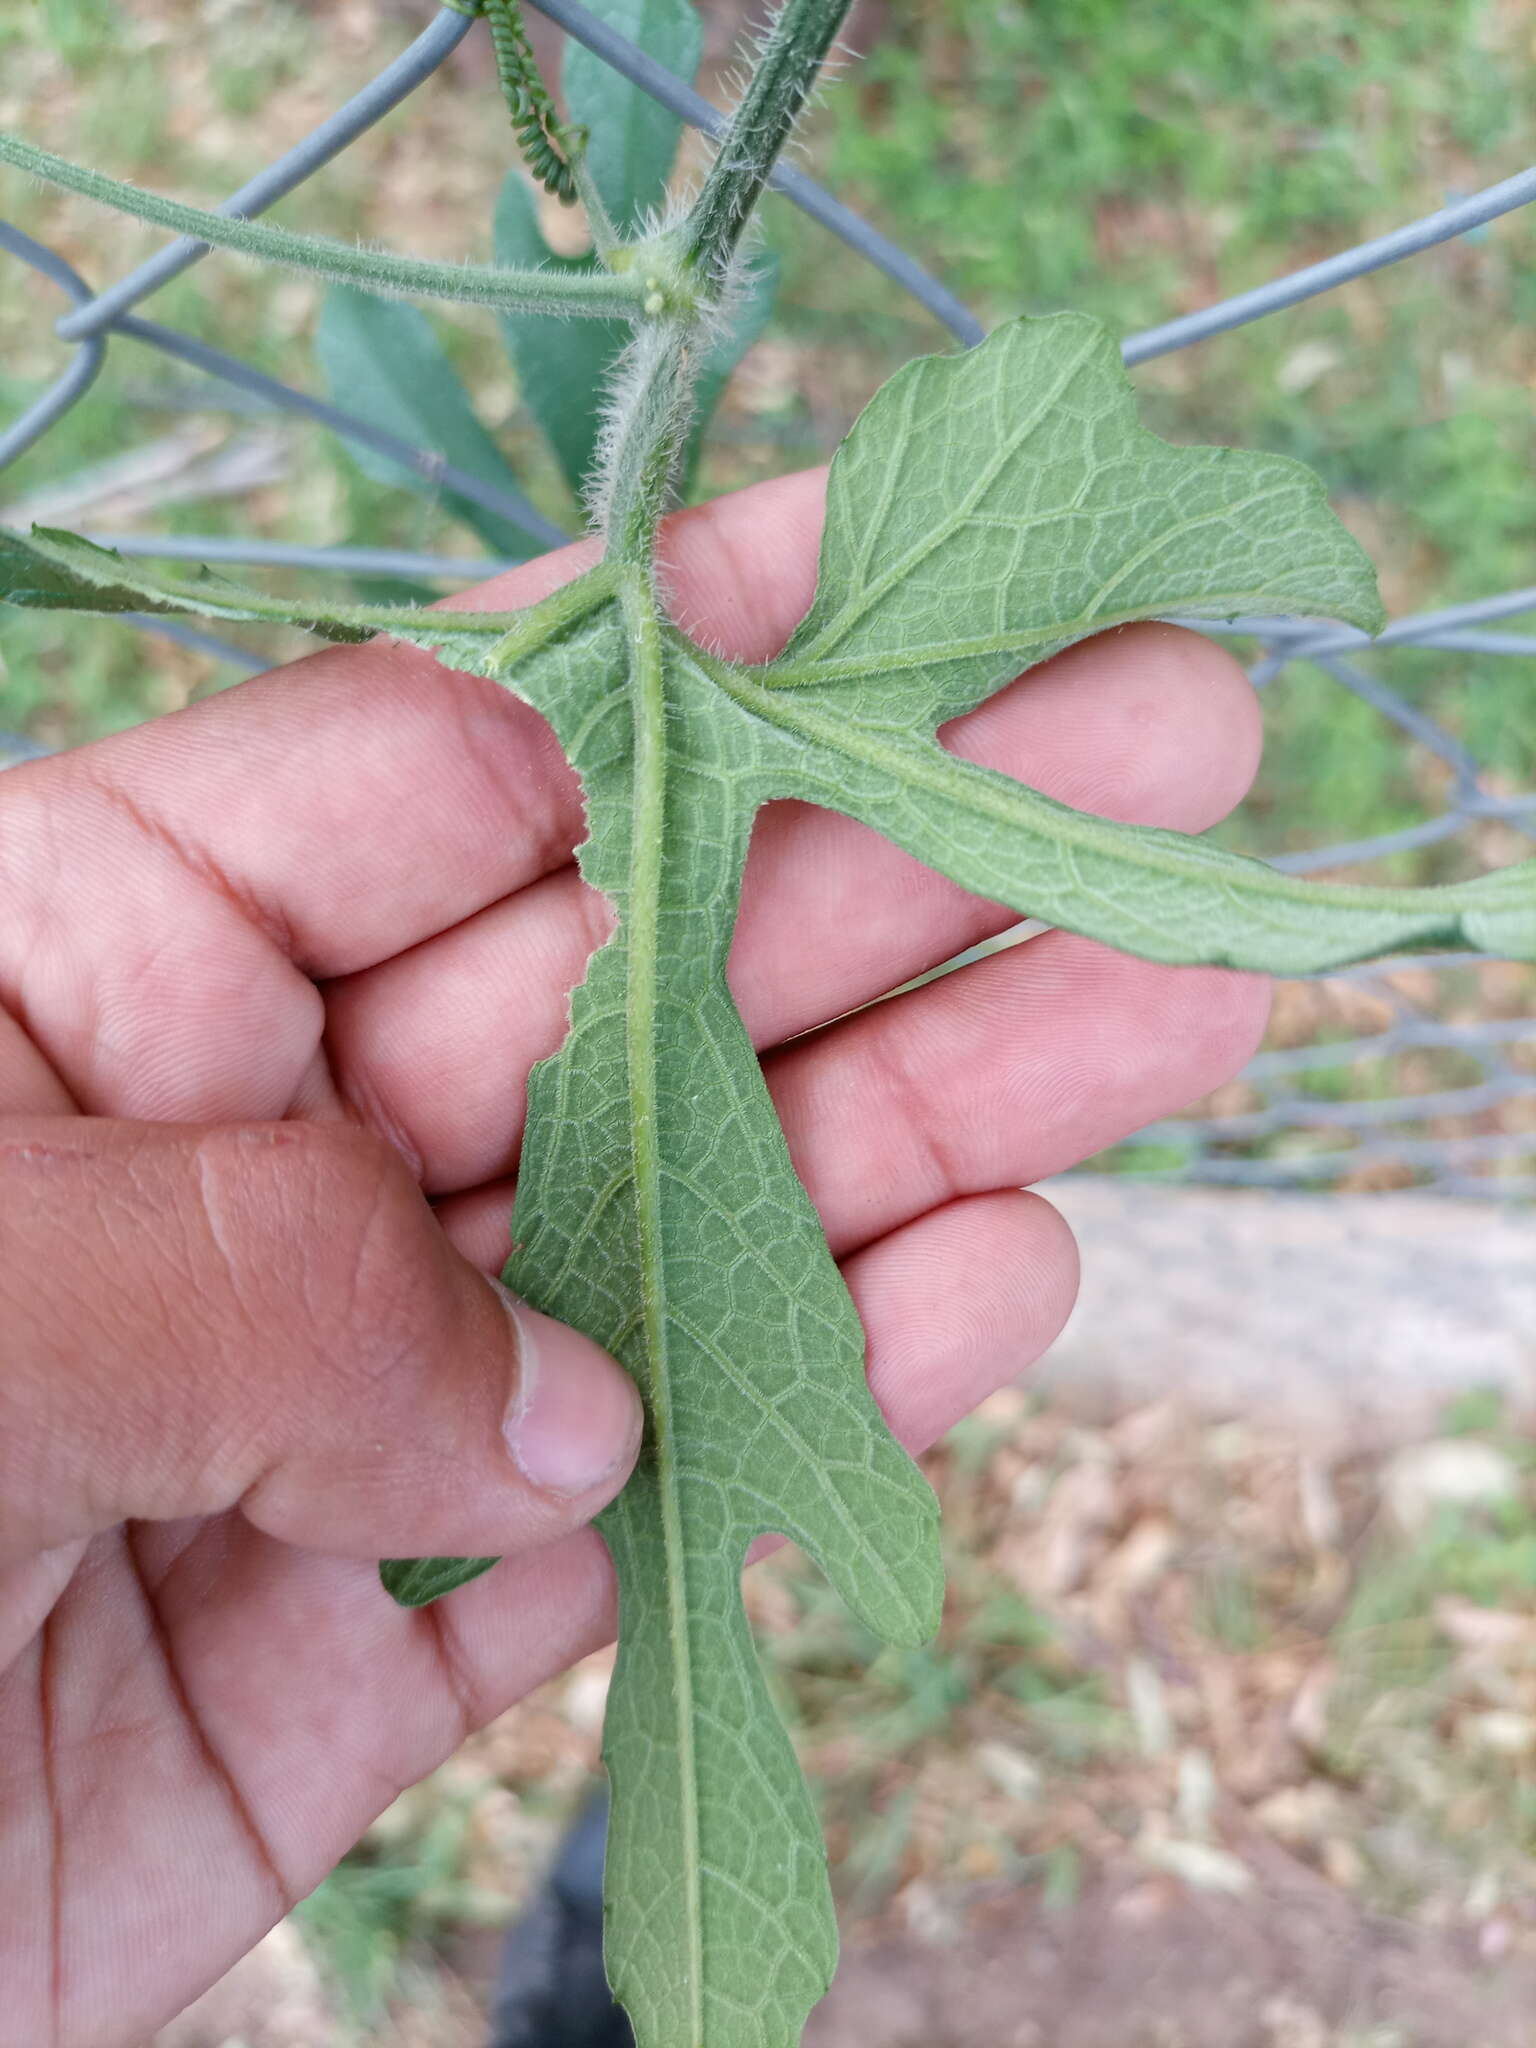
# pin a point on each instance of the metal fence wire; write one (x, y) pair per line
(1418, 1071)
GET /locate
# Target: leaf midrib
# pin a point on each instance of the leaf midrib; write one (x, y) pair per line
(971, 787)
(790, 674)
(643, 944)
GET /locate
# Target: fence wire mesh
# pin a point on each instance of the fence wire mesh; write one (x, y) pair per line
(1420, 1071)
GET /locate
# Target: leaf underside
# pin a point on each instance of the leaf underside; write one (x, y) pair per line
(986, 511)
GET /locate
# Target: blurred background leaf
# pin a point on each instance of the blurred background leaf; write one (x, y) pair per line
(381, 359)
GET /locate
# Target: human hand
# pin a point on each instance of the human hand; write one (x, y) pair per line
(276, 969)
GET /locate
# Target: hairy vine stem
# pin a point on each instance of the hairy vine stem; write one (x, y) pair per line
(782, 81)
(653, 402)
(599, 294)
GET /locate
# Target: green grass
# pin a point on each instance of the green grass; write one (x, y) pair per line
(373, 1924)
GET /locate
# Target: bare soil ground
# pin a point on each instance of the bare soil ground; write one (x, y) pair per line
(1152, 1964)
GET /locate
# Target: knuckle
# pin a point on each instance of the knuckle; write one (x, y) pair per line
(373, 1265)
(338, 1230)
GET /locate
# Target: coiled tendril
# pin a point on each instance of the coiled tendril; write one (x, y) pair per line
(548, 146)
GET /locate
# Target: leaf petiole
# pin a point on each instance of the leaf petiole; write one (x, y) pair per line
(781, 83)
(533, 630)
(46, 570)
(593, 294)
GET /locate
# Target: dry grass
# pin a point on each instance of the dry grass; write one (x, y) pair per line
(1187, 1677)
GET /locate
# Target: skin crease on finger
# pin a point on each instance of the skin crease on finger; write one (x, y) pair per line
(402, 838)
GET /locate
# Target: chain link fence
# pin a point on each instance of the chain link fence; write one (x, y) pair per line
(1413, 1072)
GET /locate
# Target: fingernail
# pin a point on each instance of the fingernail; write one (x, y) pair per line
(573, 1424)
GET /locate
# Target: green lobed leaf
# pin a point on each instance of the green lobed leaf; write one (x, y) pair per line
(663, 1216)
(382, 360)
(632, 138)
(991, 508)
(658, 1211)
(1161, 895)
(54, 571)
(986, 510)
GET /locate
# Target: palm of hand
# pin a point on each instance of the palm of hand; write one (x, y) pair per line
(345, 893)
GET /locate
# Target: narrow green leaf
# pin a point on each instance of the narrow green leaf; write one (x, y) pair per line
(562, 373)
(1157, 894)
(988, 510)
(52, 571)
(633, 138)
(417, 1581)
(383, 361)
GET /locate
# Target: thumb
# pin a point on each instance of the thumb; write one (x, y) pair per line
(268, 1317)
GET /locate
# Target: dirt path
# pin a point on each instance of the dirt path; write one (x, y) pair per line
(1356, 1315)
(1295, 1964)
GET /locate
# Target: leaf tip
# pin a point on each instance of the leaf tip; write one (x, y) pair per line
(417, 1581)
